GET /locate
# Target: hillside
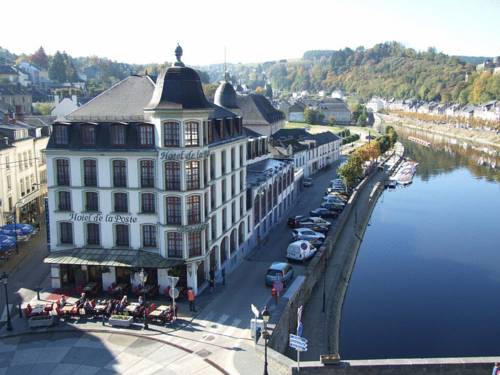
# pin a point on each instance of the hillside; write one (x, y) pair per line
(388, 70)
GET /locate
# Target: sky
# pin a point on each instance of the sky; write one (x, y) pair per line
(251, 31)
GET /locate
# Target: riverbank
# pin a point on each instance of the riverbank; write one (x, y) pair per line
(489, 139)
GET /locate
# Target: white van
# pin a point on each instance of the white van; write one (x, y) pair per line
(300, 250)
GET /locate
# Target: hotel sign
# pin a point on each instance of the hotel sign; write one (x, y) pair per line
(100, 218)
(184, 155)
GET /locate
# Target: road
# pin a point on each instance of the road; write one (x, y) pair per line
(220, 332)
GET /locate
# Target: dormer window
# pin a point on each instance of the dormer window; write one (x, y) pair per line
(118, 135)
(191, 134)
(146, 135)
(171, 134)
(61, 134)
(88, 134)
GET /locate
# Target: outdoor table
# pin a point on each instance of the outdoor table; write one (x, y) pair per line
(163, 307)
(156, 313)
(100, 307)
(132, 307)
(67, 309)
(71, 300)
(37, 309)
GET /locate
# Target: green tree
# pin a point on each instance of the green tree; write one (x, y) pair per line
(332, 121)
(57, 68)
(351, 171)
(43, 108)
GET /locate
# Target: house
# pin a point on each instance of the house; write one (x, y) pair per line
(335, 108)
(375, 105)
(64, 106)
(17, 98)
(8, 75)
(296, 112)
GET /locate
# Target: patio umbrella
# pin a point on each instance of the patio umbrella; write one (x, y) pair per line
(6, 242)
(22, 229)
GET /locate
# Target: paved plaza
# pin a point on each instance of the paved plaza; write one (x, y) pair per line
(99, 353)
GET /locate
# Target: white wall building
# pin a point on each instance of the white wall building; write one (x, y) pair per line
(64, 106)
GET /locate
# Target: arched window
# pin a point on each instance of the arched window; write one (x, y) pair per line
(256, 209)
(146, 135)
(171, 136)
(241, 232)
(191, 134)
(174, 211)
(193, 207)
(232, 241)
(172, 175)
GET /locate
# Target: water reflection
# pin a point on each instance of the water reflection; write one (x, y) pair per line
(426, 280)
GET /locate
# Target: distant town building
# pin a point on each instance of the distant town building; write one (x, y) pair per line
(64, 106)
(296, 112)
(335, 108)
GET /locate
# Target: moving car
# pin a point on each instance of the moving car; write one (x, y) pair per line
(308, 235)
(322, 212)
(300, 251)
(307, 182)
(279, 271)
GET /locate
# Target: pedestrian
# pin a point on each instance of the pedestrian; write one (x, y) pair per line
(211, 277)
(224, 276)
(496, 369)
(274, 294)
(191, 297)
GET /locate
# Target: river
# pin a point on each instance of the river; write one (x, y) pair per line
(427, 278)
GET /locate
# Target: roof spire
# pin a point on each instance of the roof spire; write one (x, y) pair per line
(226, 75)
(178, 55)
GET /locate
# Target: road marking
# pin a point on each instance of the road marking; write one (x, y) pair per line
(228, 333)
(209, 316)
(4, 313)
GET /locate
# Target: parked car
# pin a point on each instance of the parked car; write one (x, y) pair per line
(293, 222)
(300, 251)
(338, 196)
(333, 199)
(322, 212)
(308, 235)
(307, 182)
(279, 271)
(333, 206)
(315, 223)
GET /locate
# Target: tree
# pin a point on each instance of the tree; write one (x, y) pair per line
(332, 121)
(40, 59)
(57, 68)
(44, 109)
(313, 116)
(260, 90)
(71, 73)
(351, 171)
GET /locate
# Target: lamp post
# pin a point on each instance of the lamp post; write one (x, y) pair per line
(265, 319)
(4, 280)
(143, 277)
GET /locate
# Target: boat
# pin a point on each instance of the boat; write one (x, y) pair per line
(404, 174)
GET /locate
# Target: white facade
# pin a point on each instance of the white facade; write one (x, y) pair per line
(65, 106)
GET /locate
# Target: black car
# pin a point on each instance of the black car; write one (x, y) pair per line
(332, 206)
(323, 212)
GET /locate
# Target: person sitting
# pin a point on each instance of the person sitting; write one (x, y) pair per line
(62, 301)
(87, 306)
(79, 303)
(124, 300)
(141, 301)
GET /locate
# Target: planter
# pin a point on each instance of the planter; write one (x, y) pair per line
(41, 321)
(120, 320)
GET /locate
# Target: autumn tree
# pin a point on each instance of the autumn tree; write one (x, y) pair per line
(40, 58)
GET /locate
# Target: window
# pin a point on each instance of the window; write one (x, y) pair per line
(93, 237)
(9, 183)
(149, 236)
(61, 134)
(64, 201)
(233, 185)
(119, 173)
(147, 173)
(242, 180)
(174, 213)
(121, 238)
(146, 135)
(172, 176)
(118, 135)
(171, 134)
(224, 218)
(192, 175)
(223, 189)
(89, 172)
(241, 156)
(88, 134)
(193, 208)
(148, 203)
(212, 166)
(233, 212)
(7, 163)
(194, 244)
(213, 225)
(233, 158)
(62, 171)
(30, 158)
(66, 233)
(213, 197)
(121, 202)
(223, 162)
(174, 244)
(242, 205)
(191, 134)
(91, 201)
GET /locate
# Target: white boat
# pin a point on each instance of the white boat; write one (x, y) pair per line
(405, 172)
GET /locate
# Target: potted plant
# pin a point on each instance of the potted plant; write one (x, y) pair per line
(120, 320)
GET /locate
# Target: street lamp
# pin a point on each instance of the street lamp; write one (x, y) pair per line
(143, 276)
(265, 319)
(4, 280)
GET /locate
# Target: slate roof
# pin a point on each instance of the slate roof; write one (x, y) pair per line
(325, 137)
(251, 134)
(6, 69)
(219, 112)
(301, 134)
(225, 96)
(256, 171)
(178, 87)
(13, 90)
(122, 102)
(256, 109)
